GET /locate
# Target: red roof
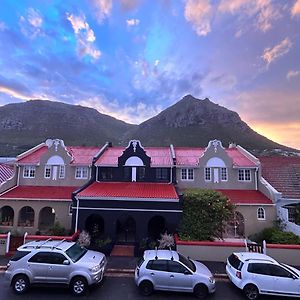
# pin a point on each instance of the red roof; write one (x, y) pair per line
(130, 190)
(6, 172)
(246, 197)
(39, 193)
(80, 155)
(160, 156)
(283, 173)
(239, 159)
(188, 156)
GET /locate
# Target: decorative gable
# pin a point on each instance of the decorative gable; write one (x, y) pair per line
(134, 155)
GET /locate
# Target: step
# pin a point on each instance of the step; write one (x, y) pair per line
(122, 250)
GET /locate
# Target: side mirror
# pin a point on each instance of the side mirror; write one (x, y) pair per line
(186, 272)
(66, 262)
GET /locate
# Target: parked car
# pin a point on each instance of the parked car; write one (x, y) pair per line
(55, 262)
(168, 270)
(257, 273)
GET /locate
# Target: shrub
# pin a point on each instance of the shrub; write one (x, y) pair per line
(57, 229)
(166, 241)
(205, 214)
(84, 239)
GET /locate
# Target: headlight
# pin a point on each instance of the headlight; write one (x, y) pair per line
(211, 279)
(95, 269)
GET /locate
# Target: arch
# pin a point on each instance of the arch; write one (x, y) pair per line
(215, 162)
(55, 160)
(126, 229)
(46, 218)
(236, 227)
(261, 214)
(156, 226)
(7, 216)
(134, 161)
(94, 224)
(26, 217)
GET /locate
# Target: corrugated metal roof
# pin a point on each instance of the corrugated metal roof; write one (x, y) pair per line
(246, 197)
(127, 190)
(6, 172)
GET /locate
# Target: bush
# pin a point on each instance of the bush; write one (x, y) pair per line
(205, 214)
(84, 239)
(57, 229)
(274, 235)
(166, 241)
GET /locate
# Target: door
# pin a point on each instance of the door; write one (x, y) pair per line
(180, 278)
(216, 175)
(54, 173)
(57, 271)
(38, 267)
(284, 282)
(133, 178)
(158, 271)
(259, 275)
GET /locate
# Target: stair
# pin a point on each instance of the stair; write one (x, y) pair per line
(122, 250)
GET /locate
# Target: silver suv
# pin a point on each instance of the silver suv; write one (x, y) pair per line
(168, 270)
(55, 262)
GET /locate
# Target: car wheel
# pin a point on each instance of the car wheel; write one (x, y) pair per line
(78, 286)
(200, 291)
(251, 291)
(20, 284)
(146, 288)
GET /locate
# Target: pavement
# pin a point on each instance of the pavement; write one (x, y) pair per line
(126, 264)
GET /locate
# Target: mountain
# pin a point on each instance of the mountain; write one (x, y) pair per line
(27, 124)
(189, 122)
(193, 122)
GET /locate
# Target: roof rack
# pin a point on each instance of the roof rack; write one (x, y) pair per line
(172, 258)
(156, 253)
(60, 242)
(43, 243)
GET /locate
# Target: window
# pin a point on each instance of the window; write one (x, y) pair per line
(62, 171)
(291, 214)
(207, 174)
(158, 265)
(244, 175)
(258, 268)
(161, 173)
(47, 173)
(106, 173)
(48, 258)
(261, 213)
(71, 209)
(175, 267)
(223, 174)
(81, 173)
(187, 174)
(29, 172)
(141, 173)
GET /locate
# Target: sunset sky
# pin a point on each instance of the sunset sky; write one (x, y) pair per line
(132, 58)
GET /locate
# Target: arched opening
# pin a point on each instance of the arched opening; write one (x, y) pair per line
(126, 229)
(26, 217)
(94, 224)
(156, 226)
(236, 227)
(6, 216)
(46, 219)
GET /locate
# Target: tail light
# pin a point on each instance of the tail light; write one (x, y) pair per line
(238, 274)
(138, 271)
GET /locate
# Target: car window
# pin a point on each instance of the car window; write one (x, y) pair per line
(157, 265)
(41, 257)
(258, 268)
(235, 262)
(140, 261)
(75, 252)
(19, 254)
(56, 258)
(176, 267)
(187, 262)
(279, 271)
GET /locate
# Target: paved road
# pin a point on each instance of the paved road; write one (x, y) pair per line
(116, 288)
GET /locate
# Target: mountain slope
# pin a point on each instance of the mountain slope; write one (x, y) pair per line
(194, 122)
(27, 124)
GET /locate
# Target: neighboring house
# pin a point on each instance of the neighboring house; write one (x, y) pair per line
(137, 191)
(6, 172)
(283, 173)
(39, 193)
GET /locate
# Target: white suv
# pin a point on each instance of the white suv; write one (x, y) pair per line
(257, 273)
(55, 262)
(168, 270)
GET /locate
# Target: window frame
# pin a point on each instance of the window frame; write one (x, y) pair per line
(47, 171)
(30, 170)
(187, 174)
(243, 177)
(62, 172)
(79, 172)
(222, 173)
(206, 169)
(261, 213)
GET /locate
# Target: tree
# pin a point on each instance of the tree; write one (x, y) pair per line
(205, 214)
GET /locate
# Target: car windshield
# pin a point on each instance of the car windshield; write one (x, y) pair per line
(288, 267)
(75, 252)
(187, 262)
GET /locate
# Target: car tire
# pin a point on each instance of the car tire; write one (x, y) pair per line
(251, 292)
(78, 286)
(200, 291)
(146, 288)
(20, 284)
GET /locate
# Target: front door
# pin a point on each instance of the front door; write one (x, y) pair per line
(216, 175)
(180, 278)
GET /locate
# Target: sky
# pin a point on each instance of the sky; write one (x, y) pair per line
(132, 59)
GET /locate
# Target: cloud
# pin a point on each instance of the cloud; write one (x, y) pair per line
(132, 22)
(135, 114)
(31, 25)
(199, 13)
(263, 12)
(271, 54)
(292, 73)
(85, 37)
(296, 8)
(2, 26)
(103, 9)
